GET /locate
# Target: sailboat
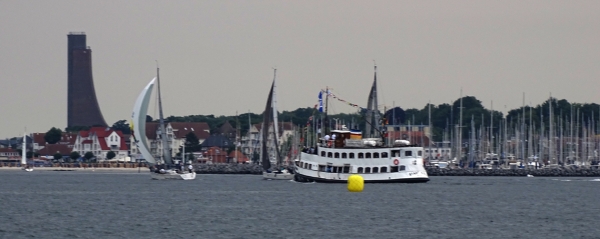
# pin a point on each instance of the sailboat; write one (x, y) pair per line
(24, 164)
(270, 118)
(160, 169)
(376, 159)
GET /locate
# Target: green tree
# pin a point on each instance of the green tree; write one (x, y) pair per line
(122, 126)
(191, 142)
(88, 156)
(395, 115)
(53, 135)
(110, 155)
(57, 156)
(29, 155)
(74, 156)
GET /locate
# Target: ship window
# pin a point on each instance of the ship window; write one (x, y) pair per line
(395, 153)
(402, 168)
(336, 155)
(360, 170)
(344, 155)
(384, 169)
(361, 155)
(368, 155)
(420, 153)
(346, 169)
(322, 168)
(375, 170)
(407, 153)
(322, 153)
(376, 155)
(351, 155)
(384, 155)
(367, 170)
(329, 155)
(394, 169)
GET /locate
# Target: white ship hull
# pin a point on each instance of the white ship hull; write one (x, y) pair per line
(375, 165)
(172, 175)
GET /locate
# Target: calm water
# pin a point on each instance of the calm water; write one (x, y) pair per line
(130, 205)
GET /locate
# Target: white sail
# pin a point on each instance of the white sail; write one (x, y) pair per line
(24, 151)
(140, 110)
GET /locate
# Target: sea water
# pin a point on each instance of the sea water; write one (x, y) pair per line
(48, 204)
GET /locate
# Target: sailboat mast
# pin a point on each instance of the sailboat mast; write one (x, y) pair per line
(275, 122)
(550, 133)
(250, 142)
(430, 132)
(163, 134)
(459, 133)
(24, 151)
(491, 143)
(326, 106)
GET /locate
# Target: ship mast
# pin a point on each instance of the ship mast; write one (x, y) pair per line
(163, 134)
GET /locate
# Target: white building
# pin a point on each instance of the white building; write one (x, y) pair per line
(100, 141)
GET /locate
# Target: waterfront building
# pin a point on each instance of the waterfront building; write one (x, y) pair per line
(100, 141)
(64, 146)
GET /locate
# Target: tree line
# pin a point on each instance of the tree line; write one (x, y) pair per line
(443, 117)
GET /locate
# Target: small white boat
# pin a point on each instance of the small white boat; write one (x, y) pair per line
(529, 176)
(173, 175)
(278, 175)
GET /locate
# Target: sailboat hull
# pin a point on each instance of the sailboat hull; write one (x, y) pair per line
(28, 169)
(278, 176)
(171, 175)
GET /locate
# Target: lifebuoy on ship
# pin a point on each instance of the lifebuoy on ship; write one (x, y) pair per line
(396, 162)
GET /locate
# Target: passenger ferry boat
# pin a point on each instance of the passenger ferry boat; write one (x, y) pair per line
(377, 159)
(374, 161)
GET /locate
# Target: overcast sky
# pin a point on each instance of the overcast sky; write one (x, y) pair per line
(216, 57)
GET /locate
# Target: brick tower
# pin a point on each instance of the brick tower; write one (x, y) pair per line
(83, 109)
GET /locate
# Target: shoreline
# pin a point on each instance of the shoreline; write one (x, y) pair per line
(76, 169)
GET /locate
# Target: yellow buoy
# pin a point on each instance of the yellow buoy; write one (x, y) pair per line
(356, 183)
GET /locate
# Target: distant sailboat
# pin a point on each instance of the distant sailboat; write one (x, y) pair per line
(139, 131)
(270, 118)
(24, 164)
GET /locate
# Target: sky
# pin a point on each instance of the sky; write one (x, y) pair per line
(217, 57)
